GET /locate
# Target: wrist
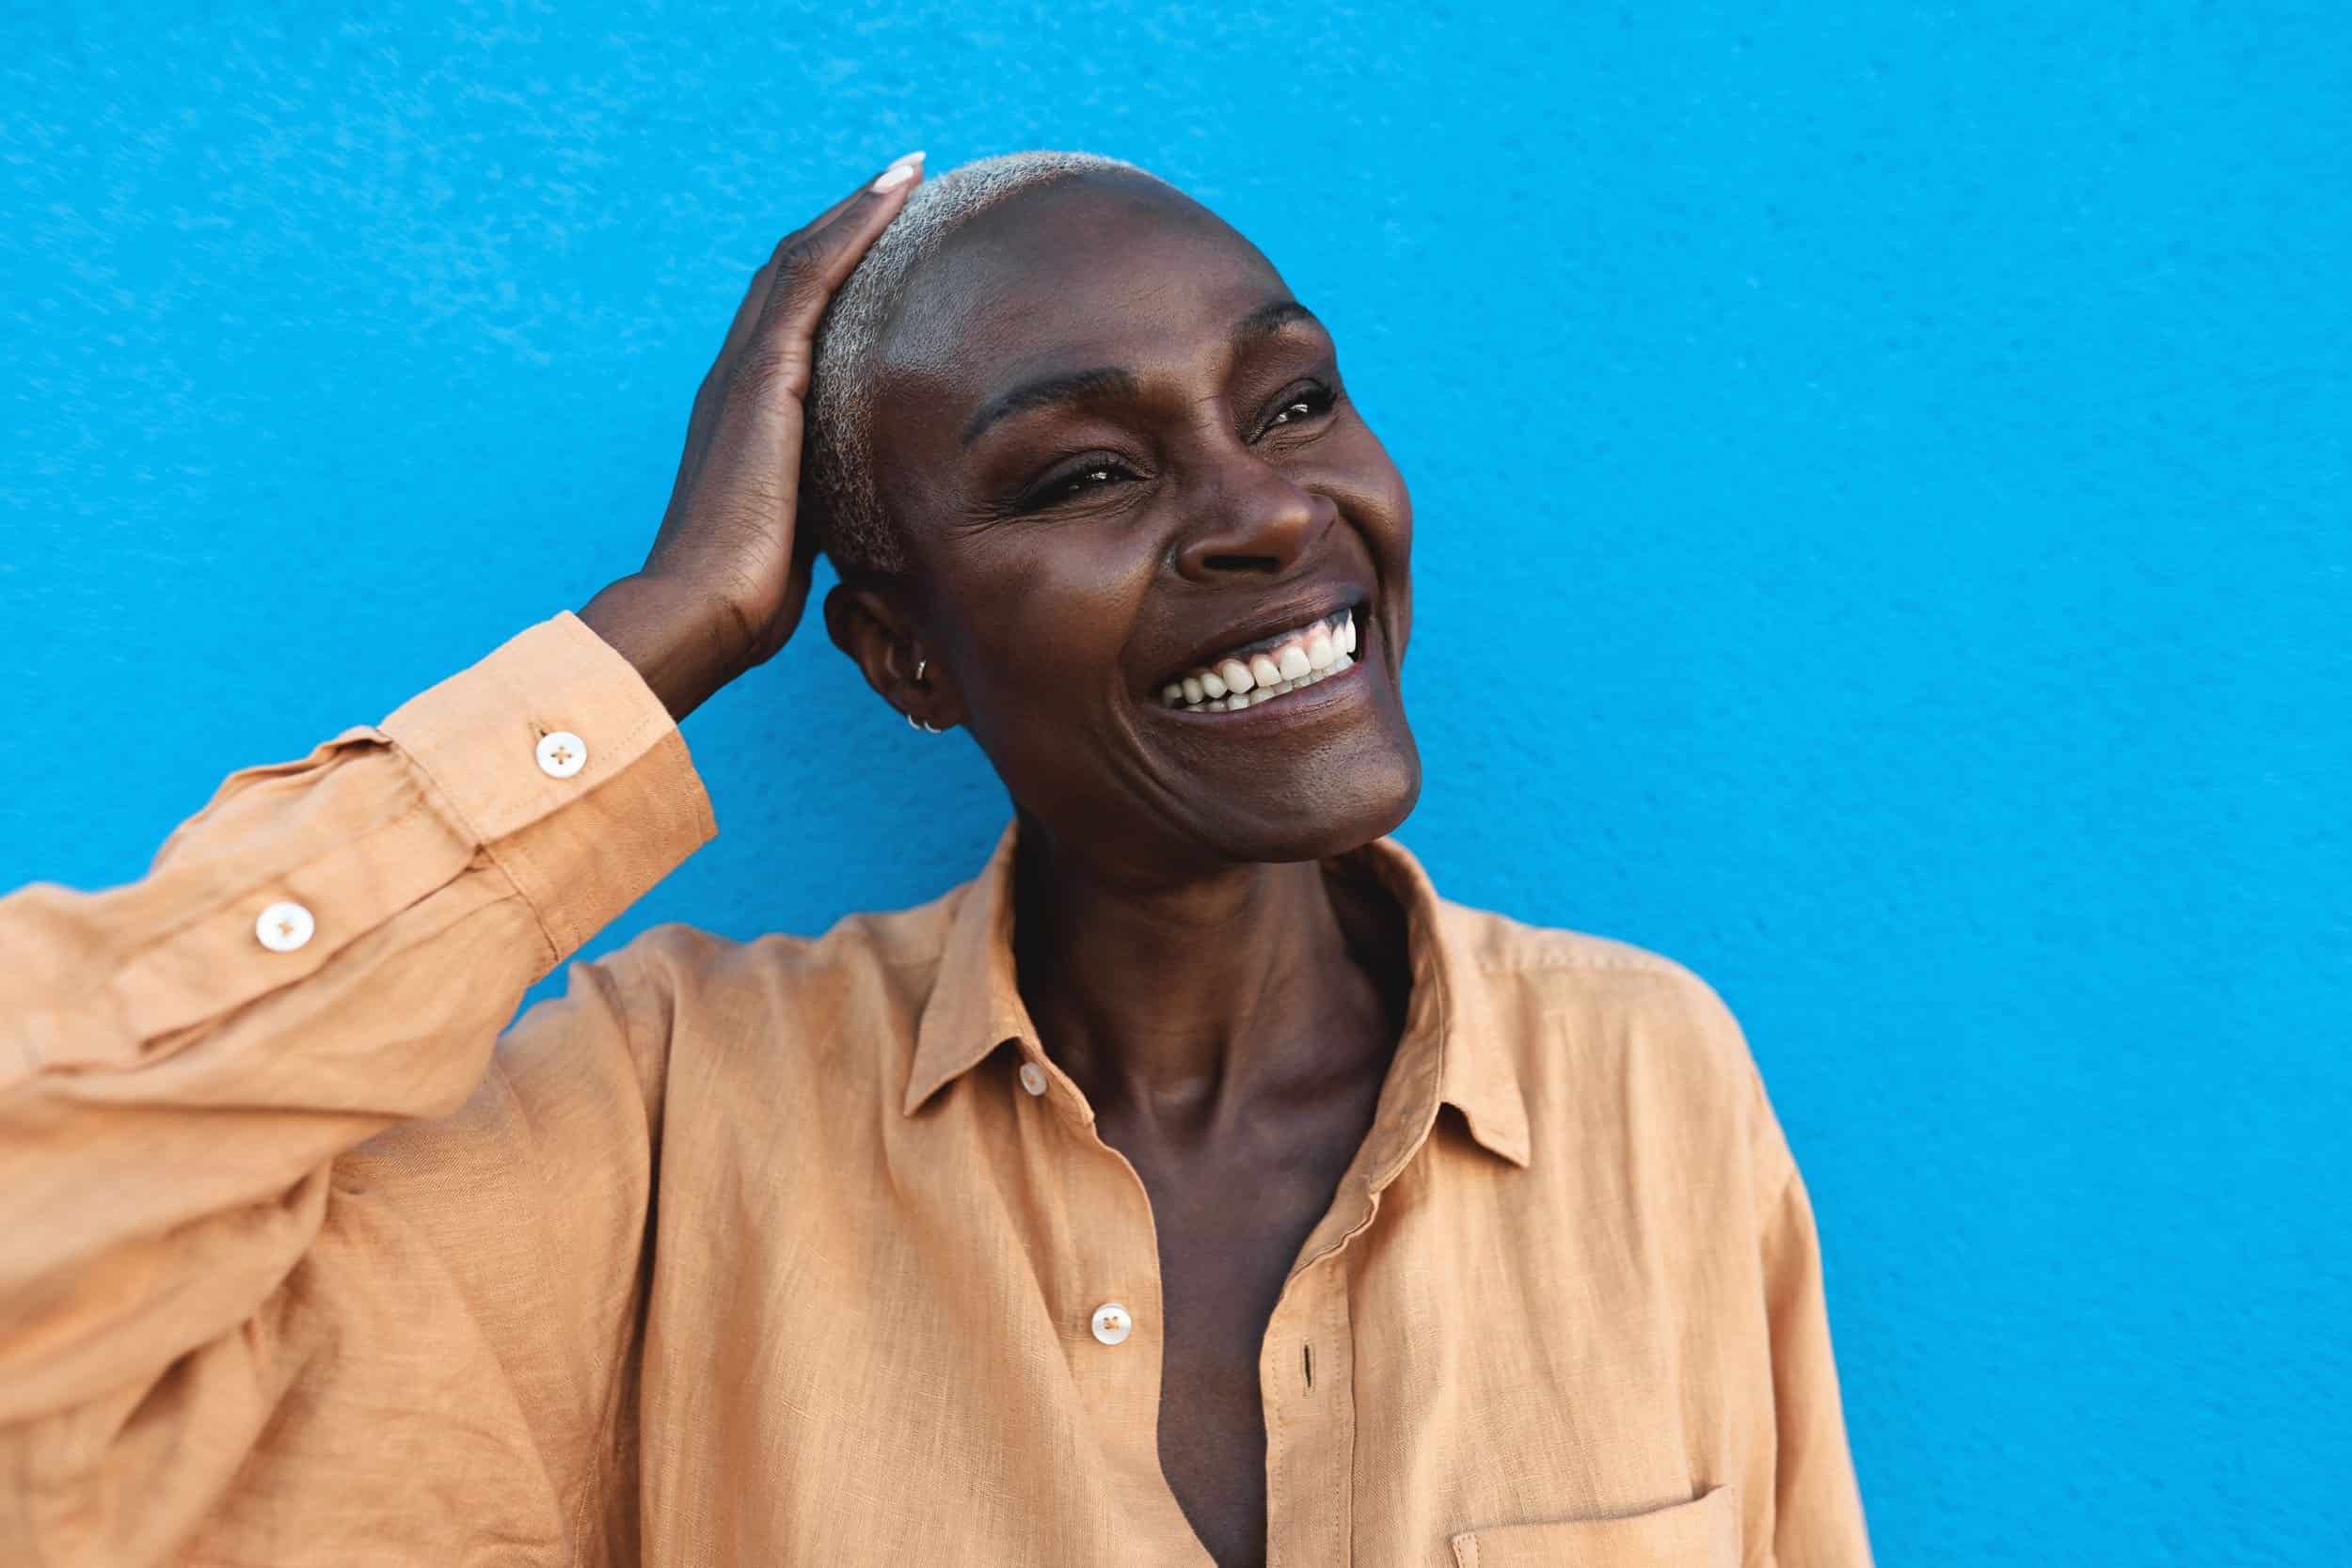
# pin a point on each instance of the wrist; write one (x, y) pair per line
(678, 640)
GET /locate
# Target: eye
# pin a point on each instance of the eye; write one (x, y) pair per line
(1304, 402)
(1094, 473)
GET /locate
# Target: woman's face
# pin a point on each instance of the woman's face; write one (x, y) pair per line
(1121, 453)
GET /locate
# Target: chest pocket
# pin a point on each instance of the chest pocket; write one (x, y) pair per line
(1702, 1533)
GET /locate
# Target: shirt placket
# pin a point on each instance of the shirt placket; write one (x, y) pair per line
(1306, 1374)
(1107, 1303)
(1307, 1367)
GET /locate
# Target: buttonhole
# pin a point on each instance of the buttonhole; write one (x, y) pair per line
(1306, 1357)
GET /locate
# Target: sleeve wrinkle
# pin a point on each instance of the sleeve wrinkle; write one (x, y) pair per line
(276, 871)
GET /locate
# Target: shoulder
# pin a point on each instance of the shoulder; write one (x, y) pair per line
(1555, 970)
(675, 966)
(1596, 1022)
(838, 1010)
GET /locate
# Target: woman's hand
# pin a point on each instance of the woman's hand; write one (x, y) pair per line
(724, 582)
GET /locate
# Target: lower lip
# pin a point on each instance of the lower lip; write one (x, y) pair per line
(1292, 706)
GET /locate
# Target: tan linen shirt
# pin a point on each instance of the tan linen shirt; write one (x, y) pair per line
(797, 1250)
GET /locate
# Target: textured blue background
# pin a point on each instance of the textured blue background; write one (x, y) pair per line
(1881, 474)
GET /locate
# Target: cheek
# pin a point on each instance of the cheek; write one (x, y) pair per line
(1384, 508)
(1364, 480)
(1048, 610)
(1395, 501)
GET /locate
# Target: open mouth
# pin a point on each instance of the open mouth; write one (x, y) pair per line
(1268, 669)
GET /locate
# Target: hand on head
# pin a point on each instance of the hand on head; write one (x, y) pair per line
(725, 583)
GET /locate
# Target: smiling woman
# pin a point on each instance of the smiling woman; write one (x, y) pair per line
(1193, 1185)
(1074, 443)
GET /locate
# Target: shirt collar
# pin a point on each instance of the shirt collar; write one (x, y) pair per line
(1448, 1041)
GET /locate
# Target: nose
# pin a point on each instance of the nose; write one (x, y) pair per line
(1255, 522)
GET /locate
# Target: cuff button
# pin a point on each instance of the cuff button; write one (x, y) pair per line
(284, 928)
(562, 754)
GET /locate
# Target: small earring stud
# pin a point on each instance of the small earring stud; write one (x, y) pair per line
(920, 665)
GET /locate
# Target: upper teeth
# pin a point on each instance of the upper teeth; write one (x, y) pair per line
(1240, 680)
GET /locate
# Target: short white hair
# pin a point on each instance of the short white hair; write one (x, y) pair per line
(839, 468)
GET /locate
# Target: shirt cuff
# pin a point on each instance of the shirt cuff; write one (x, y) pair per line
(561, 763)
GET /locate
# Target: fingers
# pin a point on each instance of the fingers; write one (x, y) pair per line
(903, 160)
(755, 427)
(880, 207)
(746, 317)
(772, 363)
(810, 265)
(756, 297)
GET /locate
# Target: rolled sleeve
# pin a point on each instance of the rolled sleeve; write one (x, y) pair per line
(580, 848)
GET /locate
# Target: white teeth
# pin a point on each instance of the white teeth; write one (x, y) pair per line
(1234, 701)
(1236, 682)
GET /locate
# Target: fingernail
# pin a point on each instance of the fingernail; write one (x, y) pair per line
(901, 169)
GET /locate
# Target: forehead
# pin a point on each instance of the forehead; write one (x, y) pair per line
(1096, 270)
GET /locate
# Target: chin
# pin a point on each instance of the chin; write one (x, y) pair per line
(1358, 802)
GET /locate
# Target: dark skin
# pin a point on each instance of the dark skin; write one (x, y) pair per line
(1226, 1003)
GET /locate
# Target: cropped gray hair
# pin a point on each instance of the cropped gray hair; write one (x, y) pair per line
(838, 475)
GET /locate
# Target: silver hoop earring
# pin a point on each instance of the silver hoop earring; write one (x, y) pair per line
(920, 665)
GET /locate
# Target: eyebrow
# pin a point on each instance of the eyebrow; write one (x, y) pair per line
(1116, 380)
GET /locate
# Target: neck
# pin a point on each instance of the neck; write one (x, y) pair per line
(1184, 1000)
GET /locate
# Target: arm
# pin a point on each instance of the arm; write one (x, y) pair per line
(176, 1243)
(300, 1259)
(1804, 1505)
(1815, 1504)
(1817, 1516)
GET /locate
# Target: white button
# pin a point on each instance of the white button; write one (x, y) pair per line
(1033, 1078)
(284, 928)
(1111, 1322)
(562, 754)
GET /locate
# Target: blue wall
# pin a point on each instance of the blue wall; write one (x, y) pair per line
(1901, 448)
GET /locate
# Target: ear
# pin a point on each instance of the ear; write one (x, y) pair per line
(867, 622)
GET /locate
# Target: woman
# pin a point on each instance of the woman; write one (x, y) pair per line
(1194, 1185)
